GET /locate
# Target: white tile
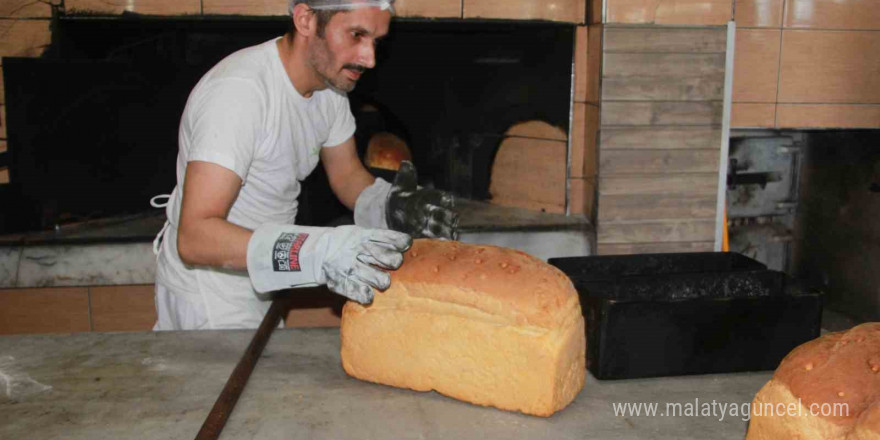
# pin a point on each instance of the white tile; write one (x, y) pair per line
(9, 258)
(540, 244)
(87, 265)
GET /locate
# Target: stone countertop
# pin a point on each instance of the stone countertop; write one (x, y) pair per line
(162, 385)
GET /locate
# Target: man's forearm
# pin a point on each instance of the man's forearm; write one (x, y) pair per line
(214, 242)
(349, 189)
(346, 173)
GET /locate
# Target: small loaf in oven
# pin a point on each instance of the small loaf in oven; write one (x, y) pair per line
(483, 324)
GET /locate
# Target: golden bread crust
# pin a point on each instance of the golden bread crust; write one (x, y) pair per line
(505, 332)
(841, 368)
(511, 284)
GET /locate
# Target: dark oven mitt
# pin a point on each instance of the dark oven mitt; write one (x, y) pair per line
(420, 212)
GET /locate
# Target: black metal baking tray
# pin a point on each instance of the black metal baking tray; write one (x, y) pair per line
(655, 315)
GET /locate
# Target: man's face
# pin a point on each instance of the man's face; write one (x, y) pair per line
(348, 46)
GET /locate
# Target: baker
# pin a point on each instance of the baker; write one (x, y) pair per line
(253, 128)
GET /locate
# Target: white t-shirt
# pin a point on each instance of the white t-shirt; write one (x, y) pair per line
(245, 115)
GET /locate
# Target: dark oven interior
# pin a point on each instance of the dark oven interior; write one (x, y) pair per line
(92, 125)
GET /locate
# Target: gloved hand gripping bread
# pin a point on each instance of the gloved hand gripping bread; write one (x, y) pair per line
(483, 324)
(840, 369)
(346, 258)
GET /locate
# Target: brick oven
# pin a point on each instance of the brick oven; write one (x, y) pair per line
(451, 87)
(624, 129)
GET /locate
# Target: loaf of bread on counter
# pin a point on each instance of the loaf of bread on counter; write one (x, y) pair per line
(483, 324)
(824, 389)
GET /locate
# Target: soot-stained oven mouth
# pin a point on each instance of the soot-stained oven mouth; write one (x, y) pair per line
(92, 125)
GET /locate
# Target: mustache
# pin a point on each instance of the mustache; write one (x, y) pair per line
(355, 67)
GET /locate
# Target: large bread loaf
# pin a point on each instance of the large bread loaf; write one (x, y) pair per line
(483, 324)
(824, 389)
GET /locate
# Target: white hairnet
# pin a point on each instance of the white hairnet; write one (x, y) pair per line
(343, 4)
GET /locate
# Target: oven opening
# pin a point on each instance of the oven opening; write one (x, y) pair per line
(92, 125)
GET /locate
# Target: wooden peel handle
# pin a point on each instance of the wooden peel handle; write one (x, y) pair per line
(225, 403)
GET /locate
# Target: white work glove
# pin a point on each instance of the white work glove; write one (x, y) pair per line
(404, 207)
(369, 209)
(348, 259)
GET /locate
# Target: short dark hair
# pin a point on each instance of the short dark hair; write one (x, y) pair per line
(323, 15)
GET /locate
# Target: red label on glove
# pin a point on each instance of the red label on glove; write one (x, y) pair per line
(285, 255)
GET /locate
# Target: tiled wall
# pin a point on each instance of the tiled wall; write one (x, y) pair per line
(799, 63)
(147, 7)
(573, 11)
(669, 12)
(126, 308)
(76, 309)
(807, 64)
(436, 8)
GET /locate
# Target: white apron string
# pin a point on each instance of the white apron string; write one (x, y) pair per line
(155, 203)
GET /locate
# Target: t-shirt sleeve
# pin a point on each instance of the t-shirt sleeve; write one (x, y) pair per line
(225, 121)
(343, 124)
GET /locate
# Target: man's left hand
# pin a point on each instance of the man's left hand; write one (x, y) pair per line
(420, 212)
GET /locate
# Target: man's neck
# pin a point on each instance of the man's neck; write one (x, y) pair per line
(294, 58)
